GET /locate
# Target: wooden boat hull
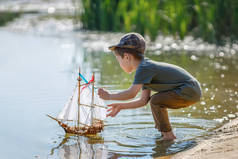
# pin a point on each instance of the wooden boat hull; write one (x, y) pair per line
(96, 127)
(86, 130)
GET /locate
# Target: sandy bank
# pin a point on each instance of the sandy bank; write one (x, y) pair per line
(222, 145)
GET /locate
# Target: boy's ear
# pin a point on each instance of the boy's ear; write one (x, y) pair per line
(127, 56)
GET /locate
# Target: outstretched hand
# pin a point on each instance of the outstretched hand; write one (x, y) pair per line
(115, 108)
(103, 94)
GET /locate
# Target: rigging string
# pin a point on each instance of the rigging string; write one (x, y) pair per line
(86, 82)
(83, 78)
(86, 85)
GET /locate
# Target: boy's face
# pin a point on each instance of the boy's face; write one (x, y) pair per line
(125, 62)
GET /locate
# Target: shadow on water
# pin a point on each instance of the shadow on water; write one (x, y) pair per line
(164, 148)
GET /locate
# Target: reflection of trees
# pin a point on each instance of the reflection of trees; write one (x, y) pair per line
(107, 69)
(80, 147)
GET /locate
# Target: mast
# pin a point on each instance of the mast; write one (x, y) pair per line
(79, 79)
(92, 104)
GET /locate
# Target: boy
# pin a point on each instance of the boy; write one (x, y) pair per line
(175, 87)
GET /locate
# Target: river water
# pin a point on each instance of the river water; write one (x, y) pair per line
(38, 74)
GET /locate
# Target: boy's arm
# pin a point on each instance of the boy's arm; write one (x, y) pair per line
(124, 95)
(117, 107)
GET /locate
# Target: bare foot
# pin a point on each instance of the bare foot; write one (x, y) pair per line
(168, 135)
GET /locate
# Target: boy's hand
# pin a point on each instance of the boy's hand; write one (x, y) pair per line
(103, 94)
(115, 108)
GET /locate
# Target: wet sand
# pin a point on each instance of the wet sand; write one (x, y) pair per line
(222, 145)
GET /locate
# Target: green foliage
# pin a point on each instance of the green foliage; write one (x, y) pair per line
(213, 20)
(8, 16)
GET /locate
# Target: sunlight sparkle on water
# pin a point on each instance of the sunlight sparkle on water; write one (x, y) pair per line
(51, 10)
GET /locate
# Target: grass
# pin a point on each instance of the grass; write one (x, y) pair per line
(6, 17)
(212, 20)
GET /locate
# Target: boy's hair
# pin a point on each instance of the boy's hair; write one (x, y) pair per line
(121, 51)
(132, 43)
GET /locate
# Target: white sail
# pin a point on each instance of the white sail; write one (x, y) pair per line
(70, 110)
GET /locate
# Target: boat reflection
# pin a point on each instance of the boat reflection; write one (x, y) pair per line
(81, 147)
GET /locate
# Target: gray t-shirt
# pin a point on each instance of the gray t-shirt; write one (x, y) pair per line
(160, 77)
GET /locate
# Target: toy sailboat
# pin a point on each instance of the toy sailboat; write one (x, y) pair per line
(84, 113)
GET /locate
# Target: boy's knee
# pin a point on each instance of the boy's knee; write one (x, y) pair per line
(154, 101)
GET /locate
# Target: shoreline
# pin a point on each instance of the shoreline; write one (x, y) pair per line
(222, 144)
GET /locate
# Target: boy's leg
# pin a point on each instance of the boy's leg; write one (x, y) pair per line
(155, 115)
(160, 102)
(161, 118)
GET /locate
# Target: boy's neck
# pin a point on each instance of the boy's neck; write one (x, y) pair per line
(135, 64)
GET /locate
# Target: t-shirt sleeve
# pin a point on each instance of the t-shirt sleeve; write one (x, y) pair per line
(143, 75)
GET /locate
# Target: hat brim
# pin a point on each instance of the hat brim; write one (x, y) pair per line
(112, 48)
